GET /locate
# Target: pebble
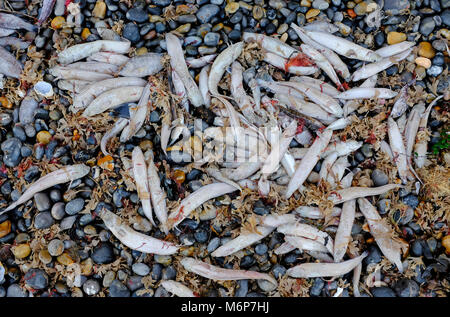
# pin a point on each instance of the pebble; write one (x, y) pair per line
(446, 243)
(395, 37)
(426, 50)
(42, 202)
(137, 15)
(103, 253)
(140, 269)
(55, 247)
(207, 12)
(379, 178)
(427, 26)
(406, 288)
(36, 278)
(131, 32)
(14, 290)
(118, 289)
(5, 228)
(74, 206)
(11, 152)
(99, 10)
(21, 251)
(317, 287)
(43, 220)
(382, 292)
(241, 288)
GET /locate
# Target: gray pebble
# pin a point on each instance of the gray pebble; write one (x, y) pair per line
(42, 202)
(43, 220)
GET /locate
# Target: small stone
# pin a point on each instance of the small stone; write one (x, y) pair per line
(57, 22)
(14, 290)
(426, 50)
(207, 12)
(395, 37)
(379, 178)
(43, 220)
(446, 243)
(118, 289)
(44, 137)
(406, 288)
(103, 254)
(320, 4)
(55, 247)
(312, 13)
(231, 7)
(213, 244)
(140, 269)
(87, 267)
(67, 222)
(42, 202)
(434, 70)
(5, 228)
(212, 39)
(65, 259)
(36, 278)
(44, 256)
(317, 287)
(427, 26)
(131, 32)
(99, 10)
(11, 152)
(91, 287)
(137, 15)
(423, 61)
(74, 206)
(21, 251)
(382, 292)
(163, 259)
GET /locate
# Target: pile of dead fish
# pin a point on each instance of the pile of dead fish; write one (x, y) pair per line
(108, 79)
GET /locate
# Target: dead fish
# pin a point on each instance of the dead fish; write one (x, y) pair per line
(157, 195)
(46, 10)
(178, 63)
(225, 59)
(14, 42)
(343, 233)
(308, 232)
(133, 239)
(334, 59)
(350, 193)
(197, 198)
(391, 50)
(309, 270)
(62, 72)
(142, 65)
(180, 90)
(308, 162)
(140, 177)
(73, 85)
(398, 149)
(117, 127)
(270, 44)
(84, 98)
(63, 175)
(304, 244)
(367, 93)
(80, 51)
(218, 274)
(10, 21)
(314, 212)
(322, 62)
(9, 66)
(420, 147)
(137, 117)
(6, 32)
(343, 47)
(177, 288)
(283, 64)
(401, 104)
(109, 57)
(382, 232)
(201, 61)
(113, 98)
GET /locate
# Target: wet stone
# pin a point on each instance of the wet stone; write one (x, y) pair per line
(131, 32)
(103, 254)
(118, 289)
(43, 220)
(241, 289)
(212, 39)
(317, 287)
(74, 206)
(42, 202)
(140, 269)
(374, 255)
(36, 278)
(11, 152)
(91, 287)
(278, 271)
(213, 244)
(382, 292)
(14, 290)
(207, 12)
(427, 26)
(137, 15)
(169, 273)
(134, 283)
